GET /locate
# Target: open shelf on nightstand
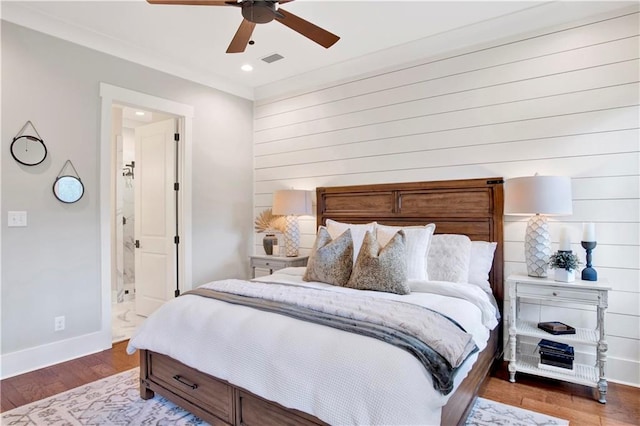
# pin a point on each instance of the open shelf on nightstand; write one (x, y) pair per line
(585, 336)
(583, 374)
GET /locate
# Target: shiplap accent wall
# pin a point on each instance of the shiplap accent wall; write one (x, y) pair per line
(564, 101)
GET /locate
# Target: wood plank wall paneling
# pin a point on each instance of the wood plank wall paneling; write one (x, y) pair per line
(564, 101)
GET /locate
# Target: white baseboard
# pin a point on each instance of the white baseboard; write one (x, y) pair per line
(24, 361)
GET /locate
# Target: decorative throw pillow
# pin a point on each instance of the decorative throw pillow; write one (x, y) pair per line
(357, 232)
(381, 269)
(330, 260)
(418, 240)
(448, 258)
(480, 264)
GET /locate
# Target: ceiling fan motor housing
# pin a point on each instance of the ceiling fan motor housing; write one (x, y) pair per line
(259, 11)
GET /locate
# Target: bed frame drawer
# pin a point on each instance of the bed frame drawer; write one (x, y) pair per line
(212, 395)
(254, 411)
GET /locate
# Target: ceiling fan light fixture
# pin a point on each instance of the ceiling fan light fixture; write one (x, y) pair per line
(259, 11)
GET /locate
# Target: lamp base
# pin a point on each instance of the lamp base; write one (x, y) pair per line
(537, 246)
(291, 236)
(589, 274)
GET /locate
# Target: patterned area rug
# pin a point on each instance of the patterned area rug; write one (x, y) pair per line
(486, 412)
(115, 401)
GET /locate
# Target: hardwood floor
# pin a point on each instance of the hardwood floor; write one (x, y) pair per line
(25, 388)
(576, 403)
(572, 402)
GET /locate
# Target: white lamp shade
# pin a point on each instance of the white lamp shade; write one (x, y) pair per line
(547, 195)
(292, 202)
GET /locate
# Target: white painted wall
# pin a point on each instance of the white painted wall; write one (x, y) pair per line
(52, 267)
(562, 101)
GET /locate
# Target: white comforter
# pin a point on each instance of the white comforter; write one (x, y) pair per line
(339, 377)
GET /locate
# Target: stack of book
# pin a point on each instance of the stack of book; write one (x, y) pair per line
(556, 356)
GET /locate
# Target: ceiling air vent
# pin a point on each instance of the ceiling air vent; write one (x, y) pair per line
(272, 58)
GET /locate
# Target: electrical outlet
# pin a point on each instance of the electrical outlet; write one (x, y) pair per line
(58, 323)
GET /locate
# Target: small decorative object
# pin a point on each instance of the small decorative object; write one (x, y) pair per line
(68, 188)
(269, 223)
(565, 239)
(27, 149)
(589, 243)
(556, 327)
(540, 196)
(292, 203)
(565, 264)
(268, 242)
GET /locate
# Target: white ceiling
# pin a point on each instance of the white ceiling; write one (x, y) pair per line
(190, 41)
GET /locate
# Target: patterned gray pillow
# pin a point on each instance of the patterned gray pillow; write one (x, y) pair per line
(381, 269)
(330, 261)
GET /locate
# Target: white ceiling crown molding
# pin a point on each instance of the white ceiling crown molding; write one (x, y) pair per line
(19, 13)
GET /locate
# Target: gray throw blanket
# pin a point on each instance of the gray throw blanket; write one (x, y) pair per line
(437, 341)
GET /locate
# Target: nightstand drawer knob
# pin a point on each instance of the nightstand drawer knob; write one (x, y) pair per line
(266, 263)
(555, 294)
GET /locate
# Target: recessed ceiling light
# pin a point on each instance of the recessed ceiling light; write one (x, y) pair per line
(140, 113)
(246, 67)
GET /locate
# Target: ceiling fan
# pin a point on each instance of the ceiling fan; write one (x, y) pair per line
(261, 12)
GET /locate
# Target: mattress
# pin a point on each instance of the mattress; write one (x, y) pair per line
(337, 376)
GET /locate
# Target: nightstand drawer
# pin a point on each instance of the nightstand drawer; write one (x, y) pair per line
(274, 263)
(559, 294)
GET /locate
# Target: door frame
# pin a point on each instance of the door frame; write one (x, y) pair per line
(109, 95)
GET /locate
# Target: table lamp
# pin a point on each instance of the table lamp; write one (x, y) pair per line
(291, 203)
(540, 196)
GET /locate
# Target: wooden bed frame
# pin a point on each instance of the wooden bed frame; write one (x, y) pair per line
(472, 206)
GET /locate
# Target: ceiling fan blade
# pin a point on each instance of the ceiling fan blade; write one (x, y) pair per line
(191, 2)
(242, 37)
(313, 32)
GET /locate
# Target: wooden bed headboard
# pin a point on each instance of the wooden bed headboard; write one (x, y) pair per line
(473, 207)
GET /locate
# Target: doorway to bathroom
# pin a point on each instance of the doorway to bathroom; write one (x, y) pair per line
(158, 170)
(144, 211)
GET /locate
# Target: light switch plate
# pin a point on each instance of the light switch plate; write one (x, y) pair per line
(16, 218)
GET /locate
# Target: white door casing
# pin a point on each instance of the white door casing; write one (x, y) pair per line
(110, 95)
(155, 223)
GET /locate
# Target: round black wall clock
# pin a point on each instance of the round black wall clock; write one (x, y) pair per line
(28, 150)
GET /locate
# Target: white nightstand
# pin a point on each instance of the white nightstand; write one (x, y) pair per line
(593, 293)
(273, 263)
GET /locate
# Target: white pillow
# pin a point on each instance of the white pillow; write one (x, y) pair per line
(448, 258)
(358, 232)
(480, 264)
(418, 240)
